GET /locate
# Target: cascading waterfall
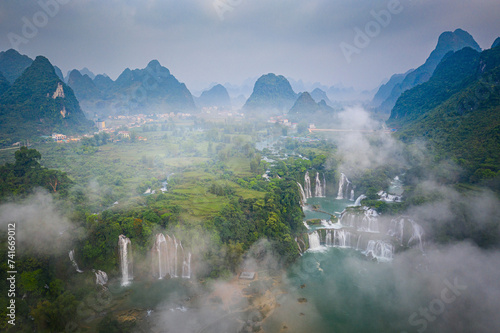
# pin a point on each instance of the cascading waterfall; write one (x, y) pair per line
(399, 229)
(175, 257)
(319, 190)
(342, 238)
(126, 263)
(73, 261)
(352, 195)
(389, 197)
(345, 189)
(167, 255)
(307, 185)
(160, 256)
(417, 234)
(314, 242)
(358, 200)
(101, 278)
(303, 198)
(369, 223)
(361, 229)
(379, 249)
(329, 238)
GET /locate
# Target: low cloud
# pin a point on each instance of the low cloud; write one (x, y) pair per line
(40, 226)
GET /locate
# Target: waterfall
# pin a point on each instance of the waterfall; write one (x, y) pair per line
(175, 258)
(101, 277)
(186, 267)
(314, 242)
(352, 195)
(399, 228)
(168, 256)
(329, 239)
(384, 196)
(171, 259)
(126, 267)
(73, 261)
(307, 185)
(358, 200)
(359, 241)
(345, 189)
(380, 250)
(303, 198)
(369, 222)
(319, 190)
(342, 238)
(416, 236)
(160, 256)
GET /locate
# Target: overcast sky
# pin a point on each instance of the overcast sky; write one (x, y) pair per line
(204, 41)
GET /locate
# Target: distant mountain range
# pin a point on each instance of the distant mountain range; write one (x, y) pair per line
(152, 89)
(387, 95)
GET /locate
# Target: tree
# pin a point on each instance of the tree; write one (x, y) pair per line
(26, 160)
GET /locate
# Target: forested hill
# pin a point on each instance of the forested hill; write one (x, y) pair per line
(39, 103)
(457, 112)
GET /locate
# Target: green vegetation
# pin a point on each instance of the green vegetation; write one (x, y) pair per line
(217, 204)
(26, 174)
(31, 107)
(458, 115)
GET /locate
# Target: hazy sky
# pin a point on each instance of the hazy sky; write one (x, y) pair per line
(204, 41)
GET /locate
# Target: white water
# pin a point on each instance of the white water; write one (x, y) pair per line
(361, 229)
(303, 198)
(380, 250)
(358, 200)
(369, 223)
(389, 197)
(160, 252)
(163, 188)
(167, 255)
(73, 261)
(417, 234)
(343, 238)
(126, 263)
(319, 190)
(345, 188)
(399, 229)
(307, 185)
(314, 242)
(101, 278)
